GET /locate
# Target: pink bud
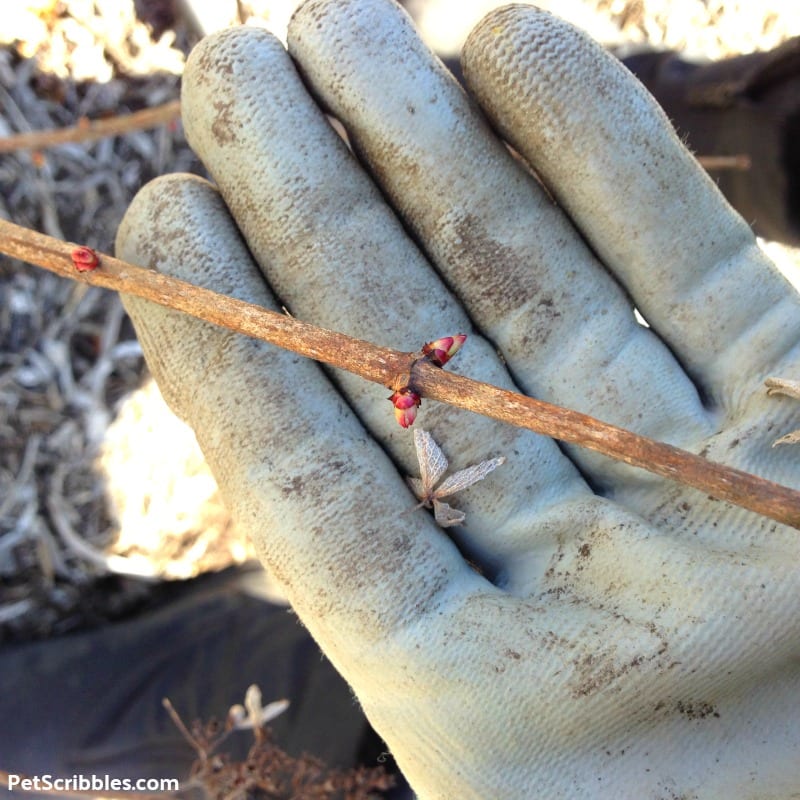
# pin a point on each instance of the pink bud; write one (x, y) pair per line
(405, 402)
(440, 351)
(406, 416)
(84, 259)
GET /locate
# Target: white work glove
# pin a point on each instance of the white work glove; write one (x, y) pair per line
(629, 637)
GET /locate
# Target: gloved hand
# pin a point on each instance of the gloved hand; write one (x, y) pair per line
(628, 637)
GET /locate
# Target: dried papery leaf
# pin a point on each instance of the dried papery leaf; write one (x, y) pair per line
(432, 465)
(790, 388)
(445, 515)
(789, 438)
(417, 486)
(252, 702)
(466, 477)
(783, 386)
(267, 770)
(432, 461)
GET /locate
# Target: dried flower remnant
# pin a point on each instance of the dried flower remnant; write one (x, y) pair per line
(253, 715)
(84, 259)
(440, 351)
(432, 465)
(267, 770)
(789, 388)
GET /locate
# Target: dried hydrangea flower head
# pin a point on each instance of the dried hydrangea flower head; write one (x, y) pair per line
(432, 465)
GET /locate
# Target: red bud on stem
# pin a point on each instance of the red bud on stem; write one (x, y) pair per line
(440, 351)
(84, 259)
(406, 402)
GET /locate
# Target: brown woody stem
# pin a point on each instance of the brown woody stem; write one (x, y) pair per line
(382, 365)
(87, 130)
(741, 162)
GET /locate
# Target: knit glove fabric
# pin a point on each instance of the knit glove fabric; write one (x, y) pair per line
(624, 636)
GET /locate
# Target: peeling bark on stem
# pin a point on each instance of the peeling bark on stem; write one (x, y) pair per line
(382, 365)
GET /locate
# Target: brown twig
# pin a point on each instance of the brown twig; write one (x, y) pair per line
(740, 162)
(382, 365)
(179, 724)
(87, 130)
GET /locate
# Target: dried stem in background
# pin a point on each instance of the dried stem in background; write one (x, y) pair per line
(740, 162)
(87, 129)
(383, 365)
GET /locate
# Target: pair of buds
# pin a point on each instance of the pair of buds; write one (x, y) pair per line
(405, 400)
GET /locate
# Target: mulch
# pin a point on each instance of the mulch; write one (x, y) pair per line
(68, 353)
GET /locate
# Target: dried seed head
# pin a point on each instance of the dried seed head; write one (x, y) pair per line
(253, 715)
(440, 351)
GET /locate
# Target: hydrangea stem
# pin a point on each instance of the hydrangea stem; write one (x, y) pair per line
(382, 365)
